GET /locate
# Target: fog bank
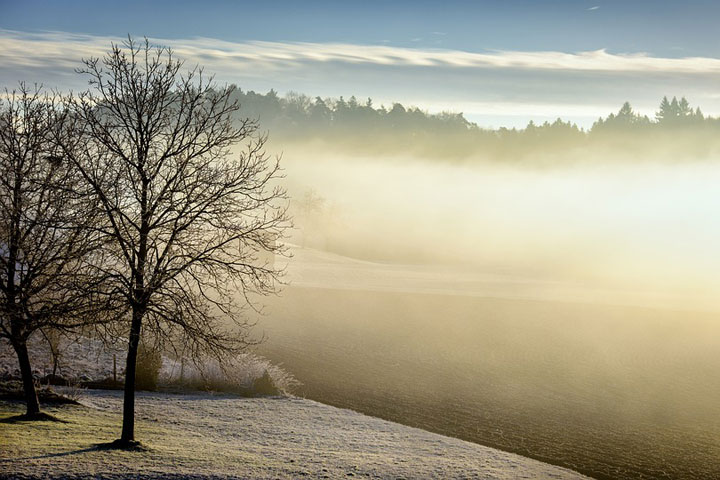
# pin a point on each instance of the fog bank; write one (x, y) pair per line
(645, 227)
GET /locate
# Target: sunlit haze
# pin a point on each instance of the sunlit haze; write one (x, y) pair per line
(323, 239)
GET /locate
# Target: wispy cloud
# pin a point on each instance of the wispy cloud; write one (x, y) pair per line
(593, 8)
(35, 49)
(487, 82)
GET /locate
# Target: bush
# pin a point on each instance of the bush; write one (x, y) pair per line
(265, 385)
(147, 372)
(246, 374)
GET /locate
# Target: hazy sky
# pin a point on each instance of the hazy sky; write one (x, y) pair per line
(502, 62)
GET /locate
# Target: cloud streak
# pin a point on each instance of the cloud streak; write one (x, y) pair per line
(558, 83)
(24, 49)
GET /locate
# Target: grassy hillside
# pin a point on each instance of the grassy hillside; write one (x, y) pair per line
(219, 437)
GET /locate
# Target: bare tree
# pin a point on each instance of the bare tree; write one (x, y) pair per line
(190, 198)
(53, 338)
(46, 231)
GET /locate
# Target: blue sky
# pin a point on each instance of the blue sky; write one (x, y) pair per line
(506, 89)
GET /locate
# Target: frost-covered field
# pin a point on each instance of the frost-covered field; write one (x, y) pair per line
(203, 436)
(531, 367)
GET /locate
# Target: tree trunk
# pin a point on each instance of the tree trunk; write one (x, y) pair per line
(31, 398)
(128, 428)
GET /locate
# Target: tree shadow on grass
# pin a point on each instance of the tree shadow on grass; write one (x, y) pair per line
(98, 447)
(36, 417)
(61, 454)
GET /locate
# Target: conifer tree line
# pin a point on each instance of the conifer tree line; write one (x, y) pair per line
(298, 117)
(303, 113)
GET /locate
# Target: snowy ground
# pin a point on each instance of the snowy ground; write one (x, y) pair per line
(226, 437)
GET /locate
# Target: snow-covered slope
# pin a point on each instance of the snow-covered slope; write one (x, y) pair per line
(202, 436)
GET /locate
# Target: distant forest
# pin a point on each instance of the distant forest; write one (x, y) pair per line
(677, 129)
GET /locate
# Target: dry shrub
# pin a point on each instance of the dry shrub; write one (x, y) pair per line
(245, 374)
(149, 364)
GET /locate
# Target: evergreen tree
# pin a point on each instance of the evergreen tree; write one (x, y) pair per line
(320, 114)
(684, 109)
(674, 109)
(665, 113)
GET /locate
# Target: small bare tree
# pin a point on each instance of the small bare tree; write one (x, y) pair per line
(54, 341)
(189, 195)
(47, 239)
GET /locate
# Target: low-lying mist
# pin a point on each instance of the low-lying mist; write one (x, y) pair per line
(643, 227)
(555, 310)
